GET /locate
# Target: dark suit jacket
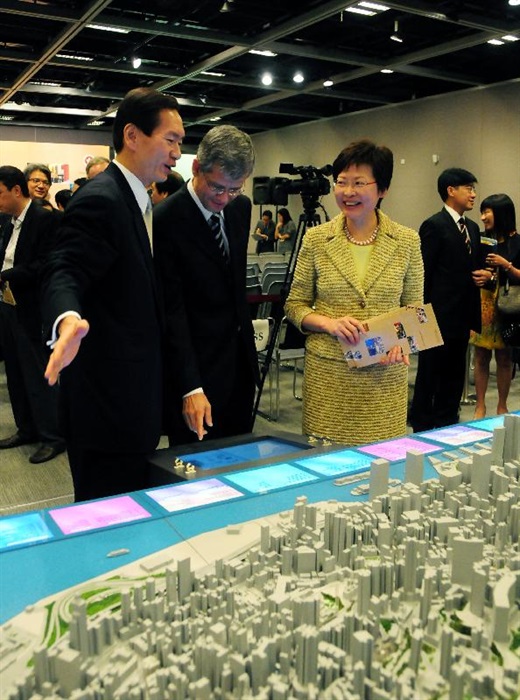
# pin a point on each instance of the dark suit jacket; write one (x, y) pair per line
(448, 284)
(37, 237)
(102, 268)
(207, 316)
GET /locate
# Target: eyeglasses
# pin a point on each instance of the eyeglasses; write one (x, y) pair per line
(39, 181)
(469, 188)
(219, 190)
(357, 184)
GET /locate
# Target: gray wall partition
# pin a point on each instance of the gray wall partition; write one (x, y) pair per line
(477, 129)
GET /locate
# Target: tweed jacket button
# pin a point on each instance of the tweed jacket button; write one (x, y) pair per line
(362, 304)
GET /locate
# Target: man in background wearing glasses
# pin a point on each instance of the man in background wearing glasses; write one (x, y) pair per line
(200, 242)
(39, 181)
(449, 245)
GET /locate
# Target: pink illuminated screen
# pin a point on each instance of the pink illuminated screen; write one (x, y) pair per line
(91, 516)
(395, 450)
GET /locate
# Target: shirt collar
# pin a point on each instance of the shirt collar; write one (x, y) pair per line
(23, 214)
(137, 187)
(454, 214)
(206, 213)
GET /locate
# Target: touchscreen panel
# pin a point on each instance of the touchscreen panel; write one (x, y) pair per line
(193, 494)
(337, 463)
(264, 448)
(23, 529)
(264, 479)
(97, 514)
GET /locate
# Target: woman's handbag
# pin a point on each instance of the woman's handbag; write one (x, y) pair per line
(508, 305)
(508, 302)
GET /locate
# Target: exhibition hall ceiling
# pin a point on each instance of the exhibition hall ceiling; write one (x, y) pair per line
(68, 63)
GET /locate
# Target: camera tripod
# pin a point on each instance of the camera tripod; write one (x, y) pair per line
(294, 337)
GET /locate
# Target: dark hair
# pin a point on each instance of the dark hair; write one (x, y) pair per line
(45, 204)
(142, 107)
(453, 177)
(11, 176)
(37, 166)
(268, 213)
(173, 182)
(62, 197)
(284, 213)
(504, 217)
(366, 152)
(80, 181)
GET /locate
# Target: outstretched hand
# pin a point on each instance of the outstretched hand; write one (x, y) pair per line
(196, 410)
(71, 332)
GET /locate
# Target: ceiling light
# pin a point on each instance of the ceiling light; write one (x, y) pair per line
(374, 6)
(510, 37)
(267, 79)
(514, 3)
(298, 77)
(104, 28)
(396, 36)
(44, 83)
(213, 74)
(74, 57)
(328, 83)
(96, 122)
(261, 52)
(496, 42)
(6, 117)
(226, 7)
(361, 11)
(386, 70)
(215, 119)
(136, 62)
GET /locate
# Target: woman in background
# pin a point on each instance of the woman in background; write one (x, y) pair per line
(360, 264)
(285, 232)
(498, 216)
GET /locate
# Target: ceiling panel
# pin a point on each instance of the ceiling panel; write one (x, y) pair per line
(59, 67)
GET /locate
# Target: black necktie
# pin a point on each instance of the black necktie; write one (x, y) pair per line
(464, 231)
(216, 230)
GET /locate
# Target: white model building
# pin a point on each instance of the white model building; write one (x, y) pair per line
(414, 594)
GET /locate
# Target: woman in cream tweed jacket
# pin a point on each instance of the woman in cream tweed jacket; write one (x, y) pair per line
(356, 266)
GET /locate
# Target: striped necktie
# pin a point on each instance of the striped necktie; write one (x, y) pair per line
(215, 226)
(465, 233)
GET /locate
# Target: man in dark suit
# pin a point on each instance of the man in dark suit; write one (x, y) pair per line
(26, 238)
(101, 303)
(210, 352)
(450, 250)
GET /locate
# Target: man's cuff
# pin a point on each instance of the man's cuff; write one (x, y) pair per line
(54, 335)
(198, 390)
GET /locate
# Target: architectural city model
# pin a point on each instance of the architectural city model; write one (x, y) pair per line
(412, 594)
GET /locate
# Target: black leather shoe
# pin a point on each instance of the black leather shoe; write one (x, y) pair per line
(15, 441)
(46, 452)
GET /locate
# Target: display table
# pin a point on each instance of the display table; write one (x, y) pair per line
(45, 551)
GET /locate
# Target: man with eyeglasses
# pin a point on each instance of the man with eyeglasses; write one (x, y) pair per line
(39, 181)
(449, 245)
(200, 243)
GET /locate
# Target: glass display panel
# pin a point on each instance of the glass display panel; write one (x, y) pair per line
(83, 517)
(193, 494)
(265, 448)
(395, 450)
(337, 463)
(264, 479)
(457, 435)
(23, 529)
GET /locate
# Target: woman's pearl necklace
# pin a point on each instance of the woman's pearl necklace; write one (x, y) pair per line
(368, 241)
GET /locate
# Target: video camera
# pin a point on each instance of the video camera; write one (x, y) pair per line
(275, 190)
